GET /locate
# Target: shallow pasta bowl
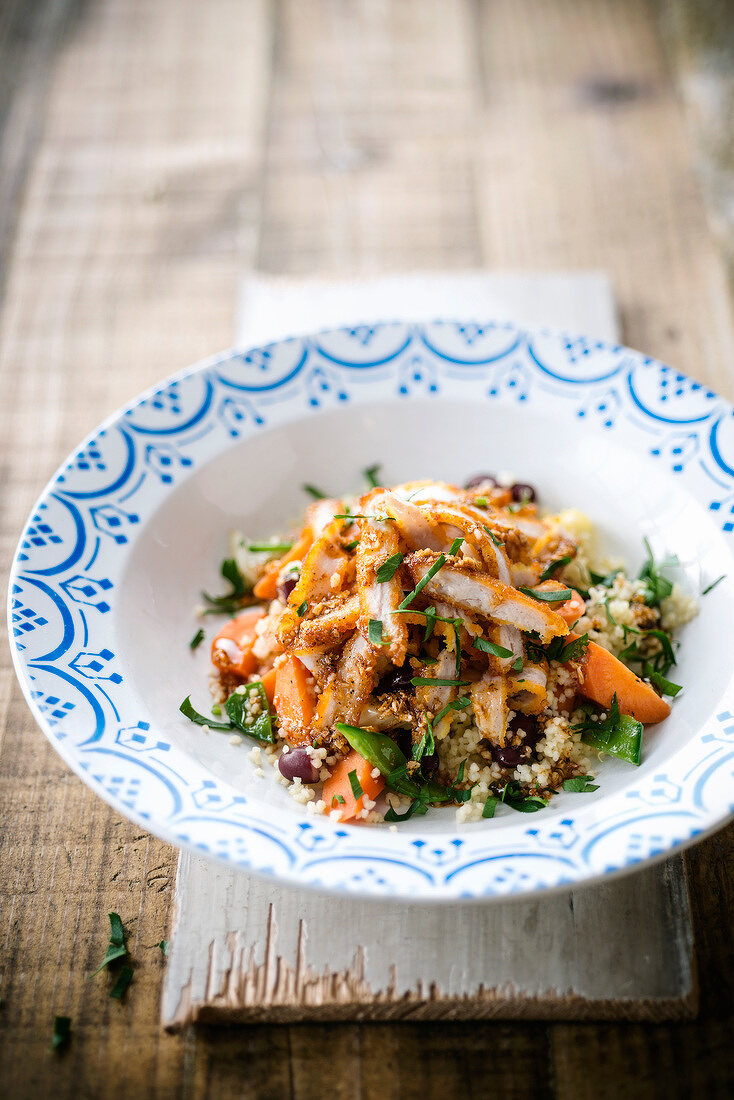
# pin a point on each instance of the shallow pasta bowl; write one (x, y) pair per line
(111, 562)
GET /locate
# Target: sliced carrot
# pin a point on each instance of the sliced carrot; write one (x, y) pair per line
(268, 682)
(232, 648)
(605, 676)
(267, 587)
(338, 786)
(572, 609)
(294, 699)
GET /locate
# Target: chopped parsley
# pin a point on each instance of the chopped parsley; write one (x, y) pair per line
(658, 587)
(234, 599)
(481, 502)
(553, 595)
(550, 569)
(337, 800)
(371, 475)
(249, 710)
(314, 492)
(302, 609)
(455, 546)
(388, 569)
(490, 805)
(491, 647)
(430, 681)
(197, 639)
(517, 664)
(374, 632)
(123, 981)
(361, 515)
(354, 784)
(351, 545)
(634, 653)
(163, 944)
(580, 784)
(418, 806)
(270, 547)
(617, 734)
(490, 532)
(61, 1032)
(116, 947)
(712, 586)
(560, 650)
(439, 562)
(188, 711)
(659, 682)
(513, 795)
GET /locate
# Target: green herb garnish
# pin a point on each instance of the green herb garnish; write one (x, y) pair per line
(658, 587)
(361, 515)
(61, 1032)
(371, 475)
(663, 685)
(439, 562)
(314, 492)
(116, 947)
(351, 545)
(374, 632)
(556, 595)
(712, 586)
(580, 784)
(163, 944)
(197, 639)
(431, 681)
(270, 547)
(559, 563)
(618, 734)
(381, 752)
(193, 716)
(337, 800)
(490, 805)
(233, 600)
(455, 546)
(302, 609)
(481, 502)
(354, 784)
(388, 569)
(492, 647)
(123, 981)
(490, 532)
(249, 710)
(513, 795)
(517, 665)
(418, 806)
(561, 650)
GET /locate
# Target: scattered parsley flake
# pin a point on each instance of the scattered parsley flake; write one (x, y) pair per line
(163, 944)
(430, 681)
(555, 595)
(550, 569)
(337, 800)
(197, 639)
(354, 784)
(491, 647)
(439, 562)
(481, 502)
(712, 586)
(388, 569)
(580, 784)
(116, 947)
(371, 475)
(351, 545)
(490, 805)
(517, 664)
(270, 547)
(123, 981)
(490, 532)
(61, 1032)
(314, 492)
(233, 600)
(188, 711)
(455, 546)
(302, 609)
(374, 632)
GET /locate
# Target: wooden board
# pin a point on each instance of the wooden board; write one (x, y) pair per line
(166, 147)
(249, 950)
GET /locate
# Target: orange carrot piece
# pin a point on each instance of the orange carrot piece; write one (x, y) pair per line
(338, 786)
(604, 676)
(294, 699)
(268, 682)
(232, 647)
(572, 609)
(267, 587)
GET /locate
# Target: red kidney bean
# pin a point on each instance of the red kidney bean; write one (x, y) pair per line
(296, 764)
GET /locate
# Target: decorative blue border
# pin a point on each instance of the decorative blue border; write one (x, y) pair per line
(71, 557)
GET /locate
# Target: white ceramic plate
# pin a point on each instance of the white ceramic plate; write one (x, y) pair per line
(110, 565)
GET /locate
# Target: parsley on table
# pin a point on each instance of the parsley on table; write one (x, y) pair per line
(61, 1032)
(197, 639)
(123, 981)
(116, 947)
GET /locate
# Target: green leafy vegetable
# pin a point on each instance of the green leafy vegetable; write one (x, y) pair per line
(314, 492)
(163, 944)
(455, 546)
(418, 806)
(374, 632)
(354, 784)
(116, 947)
(555, 595)
(249, 710)
(580, 784)
(123, 981)
(492, 647)
(371, 475)
(514, 796)
(61, 1032)
(658, 587)
(351, 545)
(270, 547)
(388, 569)
(517, 665)
(439, 562)
(193, 716)
(197, 639)
(618, 734)
(550, 569)
(302, 609)
(561, 650)
(381, 752)
(233, 600)
(490, 805)
(712, 586)
(635, 653)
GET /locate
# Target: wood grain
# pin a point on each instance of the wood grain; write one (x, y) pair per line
(177, 144)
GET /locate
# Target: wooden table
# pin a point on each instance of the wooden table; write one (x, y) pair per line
(153, 151)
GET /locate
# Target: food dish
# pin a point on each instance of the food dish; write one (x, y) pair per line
(131, 527)
(429, 645)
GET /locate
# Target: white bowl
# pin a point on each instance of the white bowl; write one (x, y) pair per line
(109, 569)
